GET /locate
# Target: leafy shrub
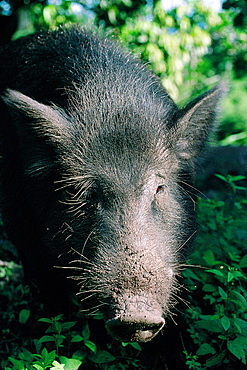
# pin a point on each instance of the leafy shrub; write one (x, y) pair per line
(59, 334)
(233, 127)
(54, 350)
(217, 318)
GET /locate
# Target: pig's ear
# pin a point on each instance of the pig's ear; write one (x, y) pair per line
(195, 121)
(45, 120)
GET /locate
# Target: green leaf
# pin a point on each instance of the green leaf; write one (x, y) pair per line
(58, 327)
(49, 321)
(241, 341)
(241, 323)
(132, 344)
(211, 325)
(223, 337)
(223, 178)
(98, 316)
(86, 332)
(188, 273)
(77, 338)
(237, 350)
(26, 355)
(68, 325)
(38, 367)
(59, 339)
(136, 346)
(38, 345)
(240, 188)
(240, 298)
(237, 178)
(51, 358)
(57, 366)
(215, 360)
(209, 258)
(70, 363)
(205, 349)
(44, 353)
(208, 288)
(102, 357)
(230, 277)
(24, 316)
(90, 345)
(243, 262)
(216, 272)
(47, 338)
(238, 328)
(80, 355)
(112, 15)
(18, 364)
(225, 322)
(222, 293)
(48, 357)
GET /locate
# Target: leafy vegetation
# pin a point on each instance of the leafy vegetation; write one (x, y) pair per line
(217, 317)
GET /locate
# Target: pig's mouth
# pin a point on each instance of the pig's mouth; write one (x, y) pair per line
(138, 329)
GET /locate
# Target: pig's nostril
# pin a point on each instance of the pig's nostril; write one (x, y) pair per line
(134, 331)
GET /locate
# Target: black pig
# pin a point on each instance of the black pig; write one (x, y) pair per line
(97, 169)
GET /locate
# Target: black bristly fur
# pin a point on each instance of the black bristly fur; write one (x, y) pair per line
(97, 174)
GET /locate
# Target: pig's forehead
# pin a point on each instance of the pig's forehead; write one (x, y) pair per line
(126, 148)
(133, 136)
(130, 170)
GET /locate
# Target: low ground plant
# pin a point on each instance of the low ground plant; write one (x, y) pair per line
(217, 317)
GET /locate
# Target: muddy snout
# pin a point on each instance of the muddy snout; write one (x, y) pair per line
(138, 323)
(141, 329)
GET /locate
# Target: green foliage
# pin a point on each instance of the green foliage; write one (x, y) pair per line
(191, 361)
(231, 181)
(217, 319)
(60, 336)
(44, 15)
(234, 114)
(174, 44)
(14, 307)
(64, 347)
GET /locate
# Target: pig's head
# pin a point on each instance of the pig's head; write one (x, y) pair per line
(126, 197)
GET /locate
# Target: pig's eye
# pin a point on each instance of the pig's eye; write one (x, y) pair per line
(159, 189)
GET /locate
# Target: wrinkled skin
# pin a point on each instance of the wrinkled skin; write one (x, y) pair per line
(97, 176)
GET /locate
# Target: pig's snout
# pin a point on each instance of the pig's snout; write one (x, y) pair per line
(141, 328)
